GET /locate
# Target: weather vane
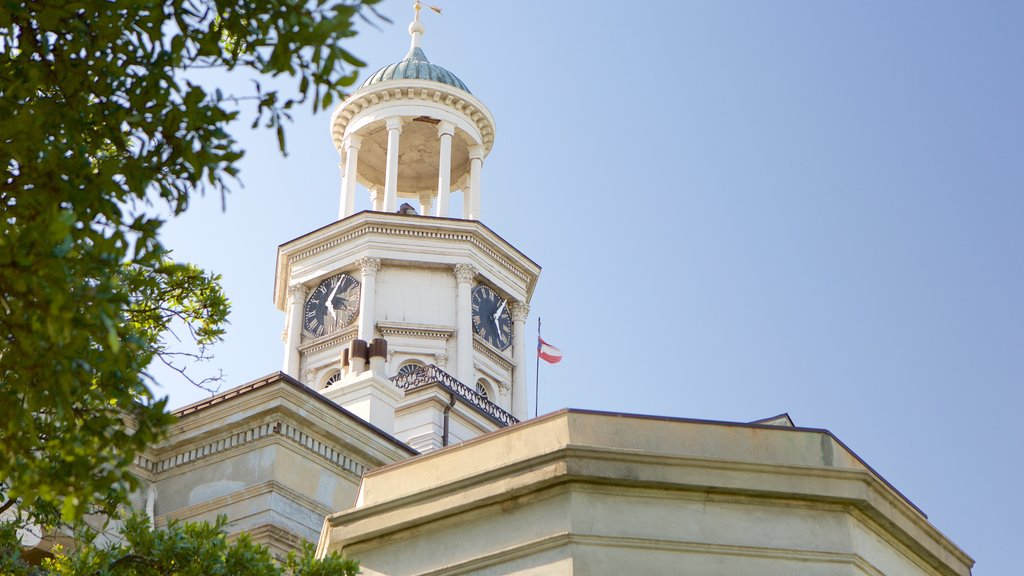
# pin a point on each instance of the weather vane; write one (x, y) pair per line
(418, 4)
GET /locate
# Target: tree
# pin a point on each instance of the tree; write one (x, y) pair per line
(191, 548)
(104, 127)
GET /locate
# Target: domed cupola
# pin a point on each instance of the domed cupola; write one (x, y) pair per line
(448, 295)
(415, 66)
(413, 131)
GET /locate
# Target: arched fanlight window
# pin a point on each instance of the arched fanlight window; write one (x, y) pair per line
(409, 368)
(336, 377)
(481, 388)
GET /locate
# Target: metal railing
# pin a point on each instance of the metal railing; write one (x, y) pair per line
(431, 374)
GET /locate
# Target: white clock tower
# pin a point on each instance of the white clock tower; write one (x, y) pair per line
(413, 319)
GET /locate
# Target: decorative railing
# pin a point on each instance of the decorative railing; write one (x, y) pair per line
(431, 374)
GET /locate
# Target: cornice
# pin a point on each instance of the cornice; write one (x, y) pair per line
(251, 436)
(492, 353)
(388, 229)
(269, 486)
(368, 224)
(273, 397)
(276, 537)
(413, 92)
(417, 330)
(346, 334)
(645, 545)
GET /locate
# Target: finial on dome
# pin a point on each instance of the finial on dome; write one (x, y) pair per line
(416, 29)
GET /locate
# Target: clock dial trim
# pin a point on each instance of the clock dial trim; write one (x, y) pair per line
(492, 320)
(332, 305)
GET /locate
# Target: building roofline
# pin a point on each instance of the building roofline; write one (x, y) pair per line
(756, 425)
(281, 377)
(418, 216)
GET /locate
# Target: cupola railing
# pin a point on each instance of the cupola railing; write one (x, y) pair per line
(431, 374)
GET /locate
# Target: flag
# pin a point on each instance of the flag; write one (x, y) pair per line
(547, 352)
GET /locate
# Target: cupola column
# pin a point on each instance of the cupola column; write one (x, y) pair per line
(368, 268)
(377, 198)
(347, 205)
(464, 275)
(394, 126)
(445, 131)
(293, 334)
(426, 202)
(519, 311)
(476, 162)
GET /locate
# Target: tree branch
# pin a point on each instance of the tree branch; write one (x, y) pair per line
(6, 505)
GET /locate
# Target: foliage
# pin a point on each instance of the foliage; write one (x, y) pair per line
(104, 128)
(184, 549)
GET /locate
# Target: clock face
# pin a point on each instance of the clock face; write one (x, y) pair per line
(491, 318)
(332, 305)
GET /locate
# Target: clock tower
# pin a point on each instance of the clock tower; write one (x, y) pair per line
(408, 315)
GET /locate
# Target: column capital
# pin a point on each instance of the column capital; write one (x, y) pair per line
(297, 293)
(519, 311)
(394, 123)
(465, 272)
(368, 265)
(441, 360)
(446, 127)
(353, 141)
(476, 152)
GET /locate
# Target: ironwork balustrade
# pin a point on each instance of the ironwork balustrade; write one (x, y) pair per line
(431, 374)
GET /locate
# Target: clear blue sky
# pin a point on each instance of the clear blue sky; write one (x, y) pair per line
(741, 209)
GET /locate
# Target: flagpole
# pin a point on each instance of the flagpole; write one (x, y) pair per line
(536, 374)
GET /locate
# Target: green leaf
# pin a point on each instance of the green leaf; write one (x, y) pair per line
(86, 291)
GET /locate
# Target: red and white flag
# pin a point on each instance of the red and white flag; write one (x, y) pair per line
(547, 352)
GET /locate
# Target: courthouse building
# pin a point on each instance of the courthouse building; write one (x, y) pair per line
(397, 430)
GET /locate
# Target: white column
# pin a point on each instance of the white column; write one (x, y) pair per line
(394, 125)
(520, 406)
(368, 268)
(476, 162)
(347, 206)
(467, 202)
(445, 130)
(377, 198)
(426, 200)
(293, 337)
(464, 275)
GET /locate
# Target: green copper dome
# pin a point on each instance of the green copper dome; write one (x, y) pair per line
(415, 66)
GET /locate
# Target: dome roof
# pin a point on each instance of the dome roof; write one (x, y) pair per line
(415, 66)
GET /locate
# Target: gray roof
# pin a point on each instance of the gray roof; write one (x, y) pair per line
(415, 66)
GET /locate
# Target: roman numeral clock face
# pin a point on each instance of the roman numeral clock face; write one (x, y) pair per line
(332, 305)
(491, 318)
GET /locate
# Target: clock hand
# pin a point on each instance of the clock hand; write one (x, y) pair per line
(333, 292)
(498, 312)
(330, 304)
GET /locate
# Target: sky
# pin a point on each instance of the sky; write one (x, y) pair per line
(741, 208)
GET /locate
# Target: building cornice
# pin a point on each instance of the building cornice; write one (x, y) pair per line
(413, 92)
(493, 354)
(331, 340)
(205, 418)
(221, 502)
(203, 451)
(406, 238)
(389, 329)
